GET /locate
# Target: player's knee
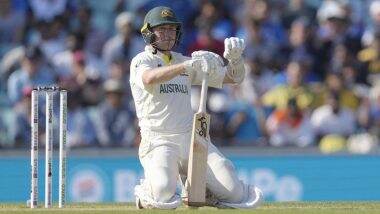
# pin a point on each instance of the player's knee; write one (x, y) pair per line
(164, 190)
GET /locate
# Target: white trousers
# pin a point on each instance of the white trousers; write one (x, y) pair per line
(165, 156)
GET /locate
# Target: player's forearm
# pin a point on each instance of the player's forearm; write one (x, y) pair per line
(162, 74)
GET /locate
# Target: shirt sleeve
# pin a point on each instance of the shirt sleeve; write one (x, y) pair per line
(269, 98)
(140, 64)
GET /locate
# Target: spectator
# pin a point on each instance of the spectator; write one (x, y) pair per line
(94, 37)
(300, 46)
(20, 129)
(258, 80)
(333, 118)
(244, 124)
(260, 12)
(258, 44)
(333, 30)
(123, 45)
(50, 37)
(370, 59)
(341, 56)
(332, 20)
(334, 83)
(64, 61)
(342, 59)
(353, 81)
(369, 112)
(217, 108)
(88, 81)
(115, 122)
(47, 10)
(297, 9)
(214, 15)
(301, 49)
(12, 23)
(374, 26)
(33, 72)
(5, 138)
(375, 111)
(9, 63)
(279, 96)
(206, 41)
(80, 129)
(116, 70)
(290, 126)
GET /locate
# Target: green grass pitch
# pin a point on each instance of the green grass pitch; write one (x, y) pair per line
(267, 208)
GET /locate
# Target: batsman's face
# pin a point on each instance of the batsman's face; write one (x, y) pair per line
(165, 36)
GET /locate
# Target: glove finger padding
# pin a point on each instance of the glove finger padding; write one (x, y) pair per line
(208, 55)
(241, 44)
(213, 60)
(227, 47)
(193, 65)
(234, 45)
(206, 66)
(197, 54)
(234, 48)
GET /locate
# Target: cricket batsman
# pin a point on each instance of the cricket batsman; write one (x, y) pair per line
(160, 81)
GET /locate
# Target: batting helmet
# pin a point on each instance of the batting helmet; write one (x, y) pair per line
(156, 17)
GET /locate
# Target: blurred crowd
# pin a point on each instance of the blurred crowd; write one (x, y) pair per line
(313, 69)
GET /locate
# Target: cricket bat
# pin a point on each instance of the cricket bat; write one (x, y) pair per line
(197, 165)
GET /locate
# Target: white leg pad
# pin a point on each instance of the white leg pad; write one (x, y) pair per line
(254, 198)
(148, 202)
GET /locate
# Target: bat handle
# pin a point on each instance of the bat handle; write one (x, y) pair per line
(202, 103)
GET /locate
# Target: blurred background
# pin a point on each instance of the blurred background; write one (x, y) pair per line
(307, 115)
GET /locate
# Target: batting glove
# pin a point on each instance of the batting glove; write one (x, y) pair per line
(213, 60)
(233, 49)
(192, 65)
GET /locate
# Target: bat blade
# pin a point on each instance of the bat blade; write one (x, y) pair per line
(197, 166)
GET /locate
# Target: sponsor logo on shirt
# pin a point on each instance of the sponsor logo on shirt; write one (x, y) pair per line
(173, 88)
